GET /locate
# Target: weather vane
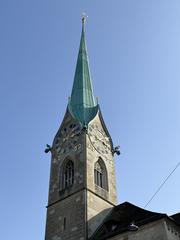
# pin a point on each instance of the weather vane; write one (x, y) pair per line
(84, 17)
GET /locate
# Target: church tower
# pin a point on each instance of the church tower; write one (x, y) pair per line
(82, 188)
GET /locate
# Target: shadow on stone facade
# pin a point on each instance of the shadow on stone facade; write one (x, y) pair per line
(95, 221)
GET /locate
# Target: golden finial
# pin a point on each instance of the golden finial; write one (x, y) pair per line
(84, 17)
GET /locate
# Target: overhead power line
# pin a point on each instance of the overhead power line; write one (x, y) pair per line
(159, 188)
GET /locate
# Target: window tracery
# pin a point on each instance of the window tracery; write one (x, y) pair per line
(100, 174)
(68, 174)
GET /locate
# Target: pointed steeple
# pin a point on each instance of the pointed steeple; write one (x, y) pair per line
(82, 103)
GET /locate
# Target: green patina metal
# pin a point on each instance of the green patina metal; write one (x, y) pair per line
(82, 104)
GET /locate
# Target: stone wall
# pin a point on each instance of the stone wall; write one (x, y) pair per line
(66, 219)
(151, 231)
(172, 231)
(59, 158)
(92, 156)
(97, 210)
(99, 200)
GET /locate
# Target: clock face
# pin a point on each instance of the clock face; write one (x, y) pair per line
(68, 138)
(99, 140)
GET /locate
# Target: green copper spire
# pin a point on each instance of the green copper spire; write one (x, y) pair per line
(82, 103)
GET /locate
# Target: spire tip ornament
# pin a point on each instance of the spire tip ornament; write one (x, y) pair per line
(84, 17)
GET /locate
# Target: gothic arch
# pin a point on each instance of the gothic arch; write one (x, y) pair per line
(100, 174)
(67, 174)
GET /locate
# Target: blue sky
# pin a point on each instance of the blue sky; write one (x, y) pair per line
(134, 51)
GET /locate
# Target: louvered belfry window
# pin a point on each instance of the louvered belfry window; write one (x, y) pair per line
(68, 176)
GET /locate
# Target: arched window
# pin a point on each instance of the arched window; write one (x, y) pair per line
(100, 174)
(68, 174)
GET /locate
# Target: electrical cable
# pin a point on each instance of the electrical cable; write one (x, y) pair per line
(161, 185)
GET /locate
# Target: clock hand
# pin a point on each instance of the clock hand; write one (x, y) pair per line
(102, 140)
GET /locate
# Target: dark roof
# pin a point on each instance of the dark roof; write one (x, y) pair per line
(176, 218)
(121, 217)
